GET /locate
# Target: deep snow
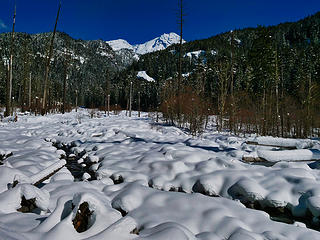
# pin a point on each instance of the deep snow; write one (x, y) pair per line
(150, 163)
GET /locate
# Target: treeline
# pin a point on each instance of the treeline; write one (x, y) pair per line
(88, 62)
(261, 80)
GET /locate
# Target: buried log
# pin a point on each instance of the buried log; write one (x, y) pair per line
(299, 155)
(81, 221)
(270, 145)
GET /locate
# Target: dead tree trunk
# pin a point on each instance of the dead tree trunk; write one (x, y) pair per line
(29, 100)
(277, 78)
(139, 114)
(107, 94)
(108, 104)
(232, 109)
(130, 100)
(45, 89)
(9, 81)
(66, 77)
(76, 100)
(178, 108)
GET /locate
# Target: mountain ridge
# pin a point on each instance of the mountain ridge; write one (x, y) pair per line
(153, 45)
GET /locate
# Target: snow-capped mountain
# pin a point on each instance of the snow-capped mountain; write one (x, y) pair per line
(153, 45)
(119, 44)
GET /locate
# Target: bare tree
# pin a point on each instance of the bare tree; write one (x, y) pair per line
(139, 110)
(222, 70)
(76, 100)
(107, 94)
(179, 85)
(45, 89)
(181, 21)
(130, 99)
(232, 102)
(29, 100)
(66, 77)
(9, 80)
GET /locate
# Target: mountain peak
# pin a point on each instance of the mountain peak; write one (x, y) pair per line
(119, 44)
(156, 44)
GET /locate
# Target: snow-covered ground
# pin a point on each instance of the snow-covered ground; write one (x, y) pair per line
(151, 179)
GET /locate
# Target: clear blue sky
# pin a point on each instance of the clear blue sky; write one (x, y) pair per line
(140, 20)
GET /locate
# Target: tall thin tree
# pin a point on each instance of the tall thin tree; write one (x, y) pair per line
(179, 88)
(181, 15)
(66, 77)
(45, 88)
(232, 102)
(9, 80)
(107, 94)
(130, 99)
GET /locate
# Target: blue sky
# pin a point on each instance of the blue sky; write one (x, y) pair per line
(140, 20)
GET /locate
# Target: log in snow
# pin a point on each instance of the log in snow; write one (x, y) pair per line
(290, 155)
(47, 172)
(288, 143)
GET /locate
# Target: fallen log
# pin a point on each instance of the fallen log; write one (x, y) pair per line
(47, 172)
(268, 145)
(300, 155)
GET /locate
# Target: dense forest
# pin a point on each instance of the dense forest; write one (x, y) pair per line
(264, 80)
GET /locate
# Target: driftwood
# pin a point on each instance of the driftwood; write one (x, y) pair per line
(267, 145)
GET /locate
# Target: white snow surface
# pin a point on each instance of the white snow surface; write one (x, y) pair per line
(156, 44)
(145, 76)
(136, 163)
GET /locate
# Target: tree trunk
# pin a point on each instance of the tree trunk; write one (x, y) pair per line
(29, 100)
(45, 89)
(130, 100)
(9, 82)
